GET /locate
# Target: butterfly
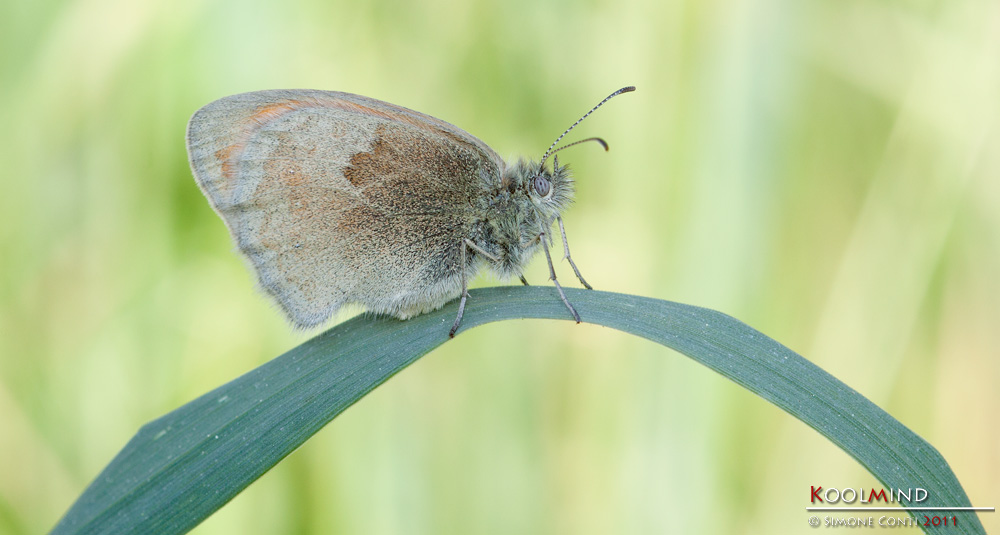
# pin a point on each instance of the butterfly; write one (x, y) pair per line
(336, 199)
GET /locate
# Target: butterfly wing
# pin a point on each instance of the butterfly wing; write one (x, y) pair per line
(336, 198)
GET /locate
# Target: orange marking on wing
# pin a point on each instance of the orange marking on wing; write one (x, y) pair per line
(273, 111)
(227, 155)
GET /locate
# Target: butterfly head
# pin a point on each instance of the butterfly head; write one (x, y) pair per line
(549, 191)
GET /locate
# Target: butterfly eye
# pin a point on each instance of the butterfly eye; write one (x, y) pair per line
(542, 185)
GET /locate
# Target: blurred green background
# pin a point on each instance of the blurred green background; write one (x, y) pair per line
(826, 171)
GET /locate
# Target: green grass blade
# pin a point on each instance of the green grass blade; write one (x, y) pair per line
(181, 468)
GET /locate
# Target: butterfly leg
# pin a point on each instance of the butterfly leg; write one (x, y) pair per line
(467, 244)
(552, 277)
(472, 245)
(562, 230)
(523, 280)
(465, 295)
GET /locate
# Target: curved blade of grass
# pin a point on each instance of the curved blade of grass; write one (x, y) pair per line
(182, 467)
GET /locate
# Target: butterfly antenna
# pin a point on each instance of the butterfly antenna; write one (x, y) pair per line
(549, 152)
(597, 139)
